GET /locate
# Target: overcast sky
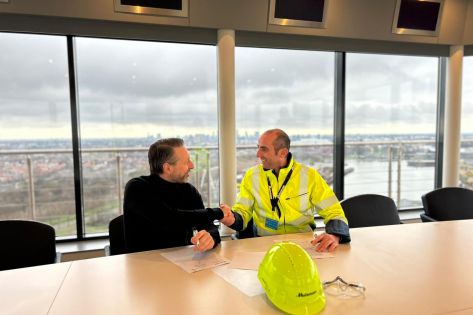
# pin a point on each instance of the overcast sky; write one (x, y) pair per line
(131, 88)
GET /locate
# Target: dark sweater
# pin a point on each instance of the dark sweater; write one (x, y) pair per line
(161, 214)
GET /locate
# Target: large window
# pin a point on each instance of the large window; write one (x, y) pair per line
(466, 151)
(288, 89)
(132, 93)
(391, 104)
(36, 172)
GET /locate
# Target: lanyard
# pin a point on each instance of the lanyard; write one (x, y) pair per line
(274, 200)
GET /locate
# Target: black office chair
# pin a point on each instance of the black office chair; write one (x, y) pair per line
(26, 244)
(447, 203)
(370, 210)
(117, 237)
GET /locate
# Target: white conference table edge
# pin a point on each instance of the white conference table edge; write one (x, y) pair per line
(371, 249)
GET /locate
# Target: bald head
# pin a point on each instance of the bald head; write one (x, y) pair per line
(281, 139)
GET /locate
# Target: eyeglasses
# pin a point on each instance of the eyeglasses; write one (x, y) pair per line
(341, 288)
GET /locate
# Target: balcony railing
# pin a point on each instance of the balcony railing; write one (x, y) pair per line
(45, 177)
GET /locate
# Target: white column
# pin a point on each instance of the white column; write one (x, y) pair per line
(226, 118)
(451, 152)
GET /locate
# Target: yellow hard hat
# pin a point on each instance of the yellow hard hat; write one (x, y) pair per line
(290, 279)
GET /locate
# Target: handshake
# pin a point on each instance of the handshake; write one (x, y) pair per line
(228, 216)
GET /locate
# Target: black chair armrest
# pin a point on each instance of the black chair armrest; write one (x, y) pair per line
(426, 218)
(107, 250)
(58, 257)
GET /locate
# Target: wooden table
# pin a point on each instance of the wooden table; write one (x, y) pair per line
(31, 290)
(423, 268)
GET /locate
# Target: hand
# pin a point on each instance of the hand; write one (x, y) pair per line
(203, 241)
(228, 216)
(325, 242)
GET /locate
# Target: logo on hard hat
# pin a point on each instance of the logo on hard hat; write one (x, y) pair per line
(306, 294)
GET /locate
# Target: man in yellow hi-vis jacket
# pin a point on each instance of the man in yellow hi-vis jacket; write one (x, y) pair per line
(281, 196)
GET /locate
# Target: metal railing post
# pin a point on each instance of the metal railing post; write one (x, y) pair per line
(390, 170)
(196, 165)
(119, 183)
(31, 187)
(208, 178)
(399, 157)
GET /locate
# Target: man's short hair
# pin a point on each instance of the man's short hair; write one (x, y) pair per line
(162, 151)
(282, 140)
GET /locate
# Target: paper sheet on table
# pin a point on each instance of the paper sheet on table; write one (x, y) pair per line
(309, 248)
(246, 260)
(192, 261)
(244, 280)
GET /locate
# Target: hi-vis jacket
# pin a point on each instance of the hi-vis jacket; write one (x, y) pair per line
(305, 193)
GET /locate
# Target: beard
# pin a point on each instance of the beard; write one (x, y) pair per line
(180, 178)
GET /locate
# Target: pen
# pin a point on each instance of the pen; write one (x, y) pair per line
(194, 233)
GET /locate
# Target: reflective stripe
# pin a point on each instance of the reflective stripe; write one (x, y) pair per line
(326, 203)
(255, 184)
(244, 201)
(288, 228)
(301, 220)
(308, 212)
(262, 232)
(304, 188)
(306, 229)
(261, 212)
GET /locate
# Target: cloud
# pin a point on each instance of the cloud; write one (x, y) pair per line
(131, 83)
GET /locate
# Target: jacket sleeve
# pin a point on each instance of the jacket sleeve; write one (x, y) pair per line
(244, 203)
(213, 231)
(238, 224)
(328, 207)
(208, 223)
(339, 228)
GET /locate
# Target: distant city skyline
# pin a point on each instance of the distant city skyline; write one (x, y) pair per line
(202, 140)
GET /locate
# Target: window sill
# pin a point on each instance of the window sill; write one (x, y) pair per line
(82, 246)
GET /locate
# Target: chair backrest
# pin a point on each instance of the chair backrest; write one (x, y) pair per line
(449, 203)
(370, 210)
(117, 236)
(26, 244)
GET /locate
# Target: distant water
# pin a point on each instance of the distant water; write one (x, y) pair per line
(372, 177)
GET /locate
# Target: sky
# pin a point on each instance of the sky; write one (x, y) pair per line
(137, 89)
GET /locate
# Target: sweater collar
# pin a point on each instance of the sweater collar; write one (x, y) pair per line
(158, 179)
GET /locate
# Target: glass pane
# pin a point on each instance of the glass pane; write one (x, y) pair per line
(36, 173)
(466, 151)
(288, 89)
(132, 93)
(391, 106)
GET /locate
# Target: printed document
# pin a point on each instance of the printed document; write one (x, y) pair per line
(192, 261)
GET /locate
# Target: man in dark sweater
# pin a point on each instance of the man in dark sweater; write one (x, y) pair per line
(162, 210)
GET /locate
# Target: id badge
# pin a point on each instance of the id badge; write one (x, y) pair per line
(272, 224)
